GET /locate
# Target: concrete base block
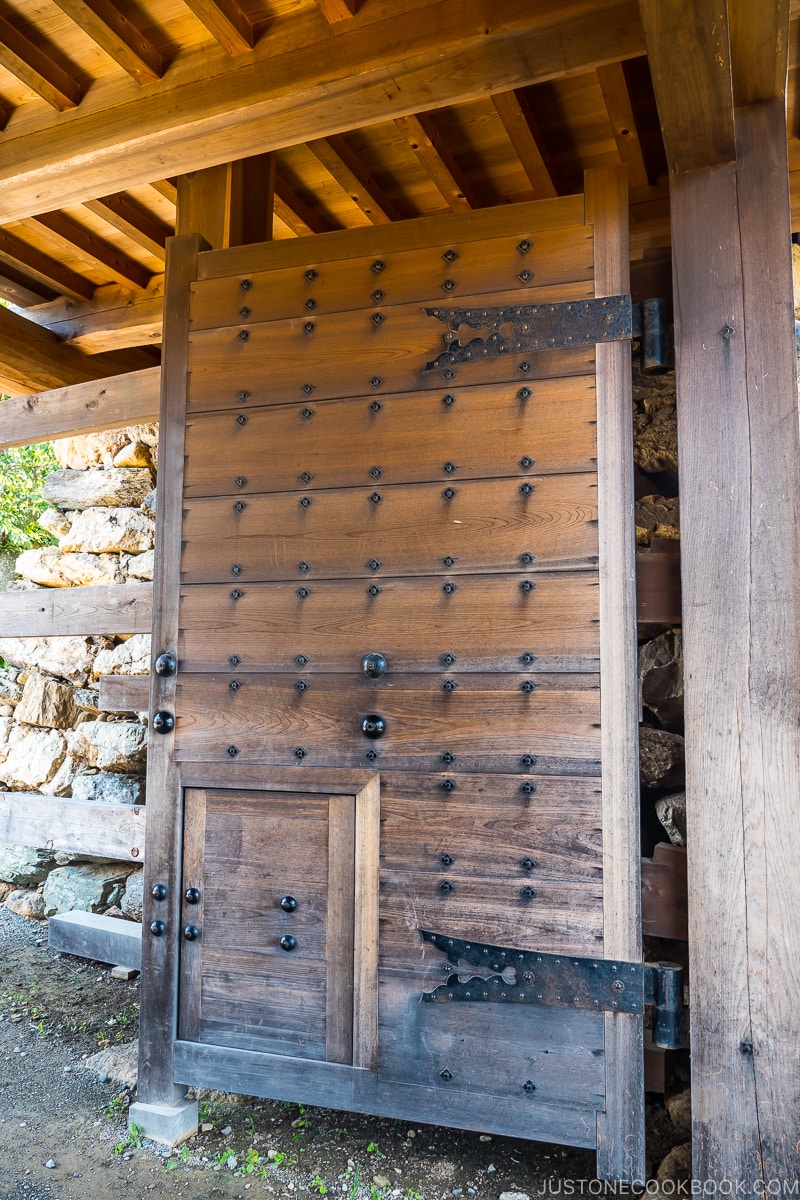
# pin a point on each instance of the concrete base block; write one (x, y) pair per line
(170, 1123)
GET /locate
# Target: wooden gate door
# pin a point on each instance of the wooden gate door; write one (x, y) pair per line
(405, 721)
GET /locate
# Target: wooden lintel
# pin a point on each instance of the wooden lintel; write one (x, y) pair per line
(292, 89)
(227, 21)
(68, 235)
(419, 130)
(72, 826)
(689, 55)
(82, 408)
(102, 21)
(515, 111)
(47, 612)
(124, 693)
(36, 69)
(92, 935)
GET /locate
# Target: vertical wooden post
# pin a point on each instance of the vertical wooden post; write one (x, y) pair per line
(620, 1128)
(739, 449)
(228, 205)
(164, 830)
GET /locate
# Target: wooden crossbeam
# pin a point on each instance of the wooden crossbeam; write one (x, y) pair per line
(115, 33)
(351, 175)
(82, 408)
(42, 268)
(294, 212)
(337, 10)
(423, 137)
(114, 319)
(623, 123)
(515, 111)
(72, 826)
(36, 69)
(124, 693)
(292, 89)
(22, 289)
(129, 218)
(227, 21)
(33, 359)
(118, 608)
(166, 188)
(228, 205)
(759, 36)
(68, 234)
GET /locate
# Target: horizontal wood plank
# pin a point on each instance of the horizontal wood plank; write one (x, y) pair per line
(82, 408)
(52, 823)
(92, 935)
(49, 612)
(124, 693)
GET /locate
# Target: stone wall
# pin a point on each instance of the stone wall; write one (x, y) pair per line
(53, 737)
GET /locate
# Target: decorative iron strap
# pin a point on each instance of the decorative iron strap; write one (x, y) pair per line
(532, 327)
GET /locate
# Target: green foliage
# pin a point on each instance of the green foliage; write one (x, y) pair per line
(22, 474)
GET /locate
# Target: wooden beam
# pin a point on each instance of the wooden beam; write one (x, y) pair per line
(92, 935)
(665, 896)
(623, 123)
(46, 612)
(228, 205)
(337, 10)
(421, 133)
(739, 454)
(351, 175)
(227, 21)
(687, 46)
(113, 32)
(82, 408)
(23, 291)
(68, 234)
(515, 111)
(33, 359)
(124, 693)
(166, 188)
(72, 826)
(36, 69)
(759, 36)
(44, 269)
(115, 319)
(294, 212)
(658, 583)
(129, 218)
(293, 89)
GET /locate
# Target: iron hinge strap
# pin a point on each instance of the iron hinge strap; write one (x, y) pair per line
(563, 981)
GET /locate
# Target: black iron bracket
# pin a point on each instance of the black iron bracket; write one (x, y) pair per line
(532, 327)
(563, 981)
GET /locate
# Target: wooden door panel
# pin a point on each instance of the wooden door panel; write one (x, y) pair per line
(485, 432)
(486, 720)
(489, 525)
(487, 622)
(381, 280)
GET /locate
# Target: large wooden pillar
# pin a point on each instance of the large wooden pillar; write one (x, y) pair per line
(739, 450)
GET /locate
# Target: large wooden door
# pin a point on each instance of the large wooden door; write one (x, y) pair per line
(403, 721)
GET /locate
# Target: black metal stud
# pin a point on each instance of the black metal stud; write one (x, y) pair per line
(233, 751)
(374, 564)
(242, 395)
(236, 569)
(449, 468)
(525, 246)
(526, 559)
(527, 893)
(300, 752)
(377, 296)
(305, 502)
(525, 276)
(234, 685)
(307, 389)
(528, 686)
(448, 285)
(288, 942)
(525, 367)
(450, 256)
(301, 660)
(449, 562)
(446, 860)
(373, 590)
(307, 414)
(236, 594)
(288, 903)
(448, 660)
(527, 788)
(526, 462)
(304, 567)
(375, 472)
(244, 335)
(376, 497)
(310, 275)
(240, 482)
(377, 319)
(309, 327)
(374, 665)
(371, 755)
(524, 393)
(244, 312)
(448, 785)
(301, 686)
(449, 493)
(446, 1075)
(241, 419)
(303, 593)
(246, 284)
(378, 266)
(528, 761)
(373, 725)
(447, 885)
(159, 891)
(449, 686)
(234, 660)
(191, 933)
(163, 722)
(376, 381)
(527, 659)
(527, 864)
(449, 373)
(448, 588)
(376, 406)
(448, 758)
(157, 928)
(448, 400)
(306, 477)
(166, 664)
(310, 304)
(526, 586)
(527, 489)
(239, 506)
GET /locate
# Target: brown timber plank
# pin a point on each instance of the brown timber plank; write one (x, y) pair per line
(489, 525)
(71, 826)
(338, 622)
(366, 927)
(340, 928)
(562, 256)
(664, 893)
(81, 408)
(759, 50)
(363, 439)
(620, 1129)
(46, 612)
(123, 693)
(116, 34)
(191, 954)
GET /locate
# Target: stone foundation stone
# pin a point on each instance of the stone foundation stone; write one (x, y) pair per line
(110, 745)
(90, 887)
(30, 757)
(46, 702)
(25, 903)
(69, 658)
(131, 657)
(119, 486)
(133, 897)
(50, 567)
(23, 866)
(107, 787)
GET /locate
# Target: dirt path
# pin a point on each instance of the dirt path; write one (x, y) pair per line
(63, 1133)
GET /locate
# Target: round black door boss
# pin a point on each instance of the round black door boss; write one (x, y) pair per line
(191, 933)
(166, 663)
(373, 726)
(288, 942)
(374, 665)
(288, 903)
(163, 722)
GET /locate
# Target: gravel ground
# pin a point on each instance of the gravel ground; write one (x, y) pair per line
(64, 1135)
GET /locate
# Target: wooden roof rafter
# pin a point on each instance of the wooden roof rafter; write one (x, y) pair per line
(228, 22)
(36, 68)
(421, 133)
(114, 32)
(67, 233)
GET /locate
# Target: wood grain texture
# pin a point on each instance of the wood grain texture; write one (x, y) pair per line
(759, 37)
(123, 693)
(620, 1129)
(118, 608)
(117, 36)
(34, 67)
(340, 929)
(689, 56)
(413, 622)
(71, 826)
(738, 434)
(366, 932)
(160, 962)
(191, 953)
(516, 112)
(665, 897)
(81, 408)
(425, 140)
